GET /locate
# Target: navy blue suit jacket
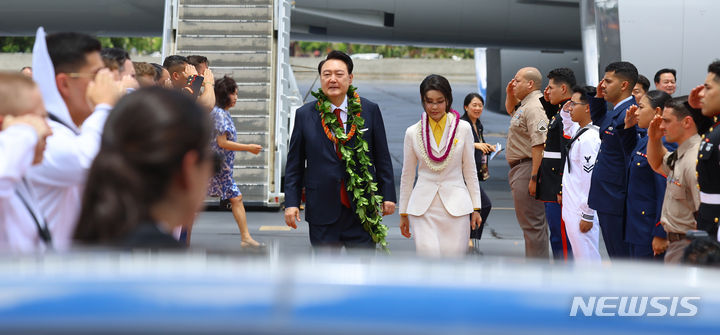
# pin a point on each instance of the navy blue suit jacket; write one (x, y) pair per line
(324, 171)
(608, 187)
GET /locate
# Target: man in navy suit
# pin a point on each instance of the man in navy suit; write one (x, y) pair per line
(608, 187)
(313, 163)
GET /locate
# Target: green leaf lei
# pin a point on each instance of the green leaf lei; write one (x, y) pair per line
(360, 184)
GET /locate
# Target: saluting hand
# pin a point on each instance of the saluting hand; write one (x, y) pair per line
(695, 96)
(104, 89)
(599, 91)
(190, 70)
(509, 90)
(654, 133)
(510, 99)
(631, 117)
(546, 93)
(129, 82)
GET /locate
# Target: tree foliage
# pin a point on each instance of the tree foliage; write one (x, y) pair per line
(303, 48)
(134, 45)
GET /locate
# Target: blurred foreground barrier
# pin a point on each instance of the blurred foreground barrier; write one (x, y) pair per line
(205, 294)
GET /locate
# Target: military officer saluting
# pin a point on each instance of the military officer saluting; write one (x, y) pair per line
(549, 184)
(609, 180)
(644, 233)
(707, 97)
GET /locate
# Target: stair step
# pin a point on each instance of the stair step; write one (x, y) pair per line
(230, 59)
(244, 43)
(244, 158)
(255, 138)
(250, 175)
(246, 124)
(225, 12)
(226, 2)
(253, 192)
(224, 27)
(251, 107)
(243, 75)
(253, 92)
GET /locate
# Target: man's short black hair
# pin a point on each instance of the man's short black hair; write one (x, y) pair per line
(174, 61)
(118, 55)
(681, 109)
(339, 55)
(563, 75)
(661, 71)
(624, 70)
(644, 82)
(196, 60)
(68, 50)
(585, 92)
(714, 68)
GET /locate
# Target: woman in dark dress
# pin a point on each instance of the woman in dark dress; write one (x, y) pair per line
(151, 173)
(474, 104)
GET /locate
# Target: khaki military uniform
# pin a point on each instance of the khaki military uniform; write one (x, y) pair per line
(682, 197)
(528, 128)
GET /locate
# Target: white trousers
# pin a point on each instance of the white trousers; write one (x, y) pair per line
(439, 234)
(584, 245)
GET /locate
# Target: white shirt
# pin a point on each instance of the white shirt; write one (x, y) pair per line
(59, 180)
(343, 111)
(578, 170)
(18, 231)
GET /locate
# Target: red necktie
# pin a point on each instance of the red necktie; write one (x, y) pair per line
(344, 199)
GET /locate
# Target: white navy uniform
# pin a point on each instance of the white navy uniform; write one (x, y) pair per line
(18, 231)
(577, 174)
(59, 180)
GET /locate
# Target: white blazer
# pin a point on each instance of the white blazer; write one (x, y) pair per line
(457, 184)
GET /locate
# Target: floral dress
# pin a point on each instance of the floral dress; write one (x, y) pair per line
(222, 184)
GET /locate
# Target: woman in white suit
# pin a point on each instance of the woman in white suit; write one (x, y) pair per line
(441, 146)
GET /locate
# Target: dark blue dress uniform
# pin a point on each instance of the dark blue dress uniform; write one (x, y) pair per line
(646, 190)
(708, 175)
(608, 188)
(549, 181)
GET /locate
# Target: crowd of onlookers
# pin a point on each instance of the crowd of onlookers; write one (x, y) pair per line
(100, 150)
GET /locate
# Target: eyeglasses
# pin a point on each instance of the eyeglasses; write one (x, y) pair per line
(83, 74)
(80, 75)
(572, 104)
